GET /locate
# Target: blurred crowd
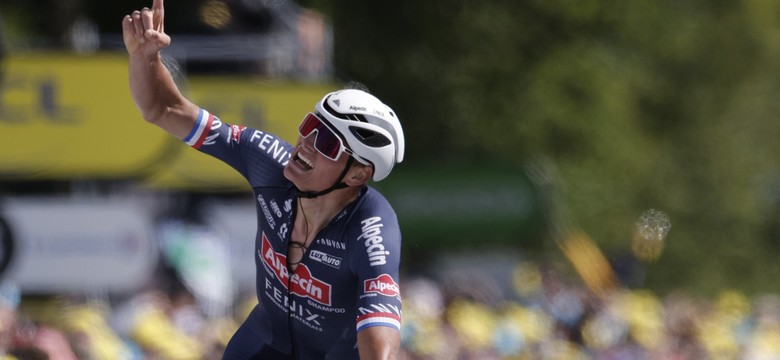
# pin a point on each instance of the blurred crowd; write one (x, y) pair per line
(551, 316)
(541, 314)
(153, 324)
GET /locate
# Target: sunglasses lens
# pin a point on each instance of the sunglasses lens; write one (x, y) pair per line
(326, 142)
(309, 123)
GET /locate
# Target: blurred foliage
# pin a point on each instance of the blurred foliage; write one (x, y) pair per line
(644, 104)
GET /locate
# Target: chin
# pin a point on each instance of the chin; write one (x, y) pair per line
(293, 176)
(288, 173)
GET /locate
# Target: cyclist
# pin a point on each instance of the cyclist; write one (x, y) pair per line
(327, 250)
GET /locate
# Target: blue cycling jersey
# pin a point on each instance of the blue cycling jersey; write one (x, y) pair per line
(348, 278)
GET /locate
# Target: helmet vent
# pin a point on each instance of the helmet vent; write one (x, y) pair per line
(333, 111)
(369, 137)
(357, 117)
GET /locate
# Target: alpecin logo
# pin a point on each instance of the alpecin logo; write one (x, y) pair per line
(383, 284)
(372, 234)
(302, 282)
(235, 132)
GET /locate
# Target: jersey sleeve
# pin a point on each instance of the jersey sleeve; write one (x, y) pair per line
(377, 259)
(257, 155)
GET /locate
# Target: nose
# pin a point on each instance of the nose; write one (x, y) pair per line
(307, 141)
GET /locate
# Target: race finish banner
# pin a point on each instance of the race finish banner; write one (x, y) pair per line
(67, 116)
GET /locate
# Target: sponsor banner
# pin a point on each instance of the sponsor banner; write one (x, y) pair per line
(65, 115)
(66, 245)
(79, 108)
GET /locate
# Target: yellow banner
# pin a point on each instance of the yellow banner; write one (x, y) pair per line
(70, 116)
(66, 116)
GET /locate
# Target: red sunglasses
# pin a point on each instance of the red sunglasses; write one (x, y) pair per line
(327, 142)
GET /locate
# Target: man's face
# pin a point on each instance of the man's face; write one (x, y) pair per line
(311, 171)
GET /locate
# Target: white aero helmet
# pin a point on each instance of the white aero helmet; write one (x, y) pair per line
(370, 128)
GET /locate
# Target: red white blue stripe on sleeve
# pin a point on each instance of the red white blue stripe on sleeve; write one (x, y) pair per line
(378, 319)
(200, 130)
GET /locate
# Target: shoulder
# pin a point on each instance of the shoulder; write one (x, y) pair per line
(209, 127)
(374, 235)
(373, 200)
(373, 216)
(372, 207)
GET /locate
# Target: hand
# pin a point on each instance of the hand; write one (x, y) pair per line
(144, 31)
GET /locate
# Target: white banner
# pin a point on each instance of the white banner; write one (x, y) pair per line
(74, 245)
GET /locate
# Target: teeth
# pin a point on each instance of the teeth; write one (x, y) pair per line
(305, 160)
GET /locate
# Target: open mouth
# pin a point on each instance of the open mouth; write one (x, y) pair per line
(303, 161)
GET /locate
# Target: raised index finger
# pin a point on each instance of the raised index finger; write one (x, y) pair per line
(159, 14)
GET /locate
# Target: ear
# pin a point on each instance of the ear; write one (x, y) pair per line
(359, 175)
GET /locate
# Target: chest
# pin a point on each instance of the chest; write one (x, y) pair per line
(322, 260)
(321, 278)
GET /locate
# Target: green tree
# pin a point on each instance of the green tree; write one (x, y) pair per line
(644, 104)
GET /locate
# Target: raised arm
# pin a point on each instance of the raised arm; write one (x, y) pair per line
(151, 84)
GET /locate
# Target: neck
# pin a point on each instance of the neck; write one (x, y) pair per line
(316, 213)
